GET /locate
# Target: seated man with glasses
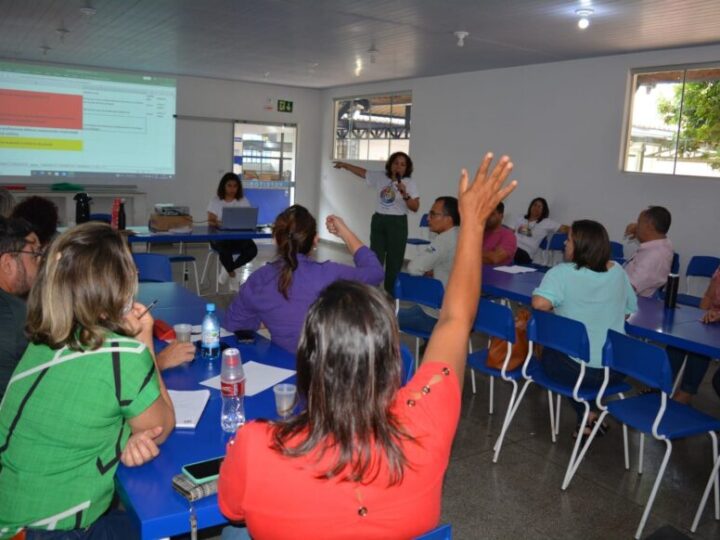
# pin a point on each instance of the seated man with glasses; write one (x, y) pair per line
(437, 258)
(20, 254)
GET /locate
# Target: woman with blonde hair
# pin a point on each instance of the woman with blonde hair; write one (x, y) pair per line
(279, 294)
(86, 394)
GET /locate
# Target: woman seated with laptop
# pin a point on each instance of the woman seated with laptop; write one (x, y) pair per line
(365, 458)
(86, 394)
(279, 294)
(232, 253)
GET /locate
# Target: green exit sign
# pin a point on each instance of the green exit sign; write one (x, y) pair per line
(285, 106)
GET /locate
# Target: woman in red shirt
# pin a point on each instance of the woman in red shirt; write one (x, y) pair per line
(366, 458)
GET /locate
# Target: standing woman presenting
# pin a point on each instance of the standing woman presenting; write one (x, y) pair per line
(230, 195)
(396, 195)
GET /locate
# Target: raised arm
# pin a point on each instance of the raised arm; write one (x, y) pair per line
(357, 171)
(336, 226)
(448, 342)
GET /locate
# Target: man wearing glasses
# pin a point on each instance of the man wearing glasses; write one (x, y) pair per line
(20, 254)
(437, 258)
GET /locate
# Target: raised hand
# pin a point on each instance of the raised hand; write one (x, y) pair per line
(479, 199)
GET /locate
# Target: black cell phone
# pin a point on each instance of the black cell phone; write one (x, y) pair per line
(245, 336)
(203, 471)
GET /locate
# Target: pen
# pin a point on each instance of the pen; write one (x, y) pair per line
(152, 305)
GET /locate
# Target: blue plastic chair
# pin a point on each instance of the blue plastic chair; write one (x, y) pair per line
(701, 266)
(424, 223)
(496, 321)
(569, 337)
(656, 414)
(423, 291)
(617, 252)
(441, 532)
(555, 245)
(153, 267)
(408, 365)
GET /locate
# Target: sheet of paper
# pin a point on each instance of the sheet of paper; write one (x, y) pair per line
(515, 269)
(189, 406)
(258, 377)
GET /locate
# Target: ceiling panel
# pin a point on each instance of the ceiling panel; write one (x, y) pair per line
(318, 43)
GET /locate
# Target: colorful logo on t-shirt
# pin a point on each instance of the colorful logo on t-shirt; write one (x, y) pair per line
(387, 196)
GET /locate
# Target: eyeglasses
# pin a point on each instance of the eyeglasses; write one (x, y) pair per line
(436, 214)
(36, 254)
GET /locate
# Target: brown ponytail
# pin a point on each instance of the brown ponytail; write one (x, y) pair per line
(294, 232)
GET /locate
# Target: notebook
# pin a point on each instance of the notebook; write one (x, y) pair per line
(239, 219)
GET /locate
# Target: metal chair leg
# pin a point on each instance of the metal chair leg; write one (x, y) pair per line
(626, 450)
(654, 491)
(576, 448)
(492, 395)
(508, 419)
(641, 452)
(552, 417)
(557, 415)
(712, 481)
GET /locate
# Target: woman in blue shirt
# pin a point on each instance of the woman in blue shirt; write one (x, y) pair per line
(589, 288)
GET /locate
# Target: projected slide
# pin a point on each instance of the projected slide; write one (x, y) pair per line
(76, 124)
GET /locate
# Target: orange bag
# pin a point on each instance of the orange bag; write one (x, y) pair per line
(498, 347)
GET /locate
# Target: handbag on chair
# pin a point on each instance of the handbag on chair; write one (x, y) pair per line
(498, 347)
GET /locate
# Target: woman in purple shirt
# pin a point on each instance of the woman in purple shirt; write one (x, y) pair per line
(279, 294)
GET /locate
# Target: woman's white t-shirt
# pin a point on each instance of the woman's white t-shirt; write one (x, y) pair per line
(389, 199)
(529, 234)
(216, 205)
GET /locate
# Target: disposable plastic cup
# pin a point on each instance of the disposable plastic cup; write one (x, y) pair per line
(183, 332)
(285, 399)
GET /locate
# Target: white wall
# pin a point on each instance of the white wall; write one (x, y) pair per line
(562, 125)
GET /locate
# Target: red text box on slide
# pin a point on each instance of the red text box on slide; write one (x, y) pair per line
(40, 109)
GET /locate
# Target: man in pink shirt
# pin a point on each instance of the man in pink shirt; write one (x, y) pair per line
(499, 243)
(649, 267)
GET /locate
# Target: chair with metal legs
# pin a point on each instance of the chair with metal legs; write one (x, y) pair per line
(656, 414)
(153, 267)
(569, 337)
(496, 321)
(422, 291)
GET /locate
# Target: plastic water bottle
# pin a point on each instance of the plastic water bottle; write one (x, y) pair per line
(210, 337)
(232, 386)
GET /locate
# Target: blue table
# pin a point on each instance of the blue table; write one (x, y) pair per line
(147, 491)
(681, 327)
(198, 234)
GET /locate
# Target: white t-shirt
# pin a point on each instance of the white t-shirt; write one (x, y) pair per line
(216, 205)
(389, 199)
(529, 234)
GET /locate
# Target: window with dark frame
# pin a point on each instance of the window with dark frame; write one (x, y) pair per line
(370, 128)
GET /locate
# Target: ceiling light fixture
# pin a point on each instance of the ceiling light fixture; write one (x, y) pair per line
(372, 51)
(88, 10)
(358, 66)
(62, 31)
(461, 35)
(584, 15)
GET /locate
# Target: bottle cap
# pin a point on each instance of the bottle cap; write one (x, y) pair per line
(210, 308)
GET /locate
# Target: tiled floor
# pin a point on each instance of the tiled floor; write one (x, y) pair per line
(520, 496)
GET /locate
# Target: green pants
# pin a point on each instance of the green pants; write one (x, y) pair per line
(388, 237)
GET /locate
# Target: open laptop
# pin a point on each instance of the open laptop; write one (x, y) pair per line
(239, 219)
